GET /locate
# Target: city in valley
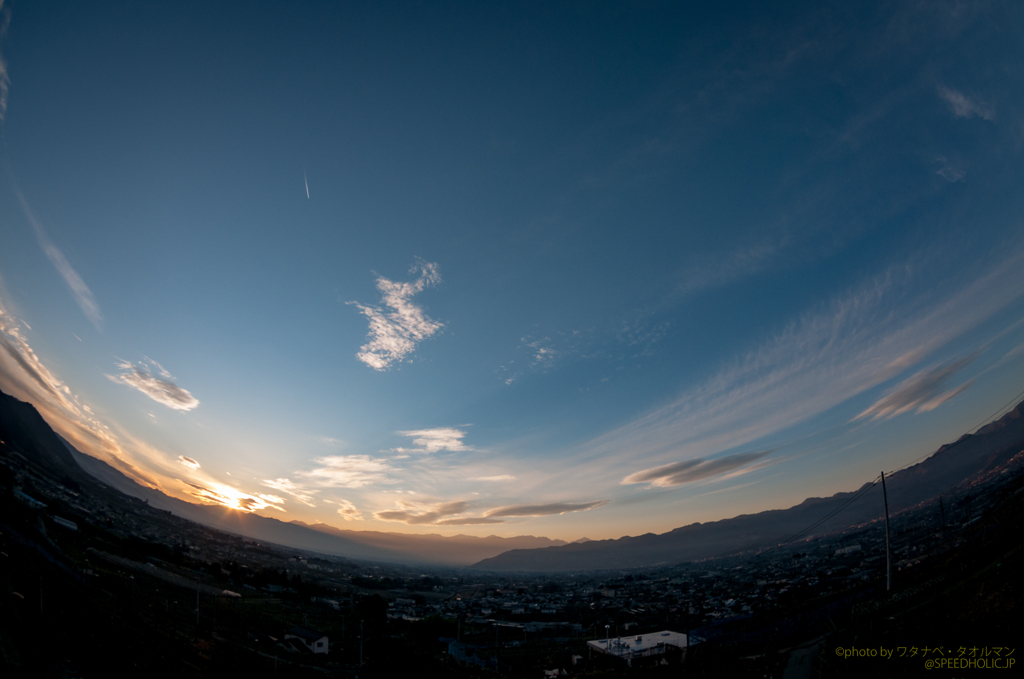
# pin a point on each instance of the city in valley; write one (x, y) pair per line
(99, 582)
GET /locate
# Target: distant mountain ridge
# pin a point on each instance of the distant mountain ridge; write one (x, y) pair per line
(462, 549)
(24, 428)
(27, 432)
(970, 456)
(432, 549)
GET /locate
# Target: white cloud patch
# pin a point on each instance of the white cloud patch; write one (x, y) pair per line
(689, 471)
(435, 440)
(186, 461)
(163, 391)
(349, 471)
(496, 478)
(81, 292)
(548, 509)
(543, 355)
(963, 106)
(922, 392)
(400, 325)
(297, 491)
(348, 511)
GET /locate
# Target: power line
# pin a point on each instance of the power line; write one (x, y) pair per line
(986, 420)
(866, 488)
(856, 496)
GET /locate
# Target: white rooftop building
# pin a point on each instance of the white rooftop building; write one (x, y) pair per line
(642, 645)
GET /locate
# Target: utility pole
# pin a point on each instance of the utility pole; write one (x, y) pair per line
(689, 613)
(888, 558)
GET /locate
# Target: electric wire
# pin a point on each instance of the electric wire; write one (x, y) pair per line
(858, 494)
(986, 420)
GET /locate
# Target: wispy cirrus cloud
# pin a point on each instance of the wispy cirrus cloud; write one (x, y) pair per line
(452, 513)
(857, 341)
(922, 392)
(710, 271)
(698, 469)
(1016, 351)
(548, 509)
(417, 513)
(81, 292)
(298, 491)
(435, 440)
(5, 78)
(24, 363)
(400, 325)
(163, 391)
(23, 375)
(963, 106)
(349, 471)
(495, 478)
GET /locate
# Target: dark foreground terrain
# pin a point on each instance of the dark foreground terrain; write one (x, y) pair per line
(96, 602)
(95, 583)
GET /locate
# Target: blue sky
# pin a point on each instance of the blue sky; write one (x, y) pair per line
(572, 269)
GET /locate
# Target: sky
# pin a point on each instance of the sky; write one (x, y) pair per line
(576, 269)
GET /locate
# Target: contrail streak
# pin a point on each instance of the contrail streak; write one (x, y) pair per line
(307, 183)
